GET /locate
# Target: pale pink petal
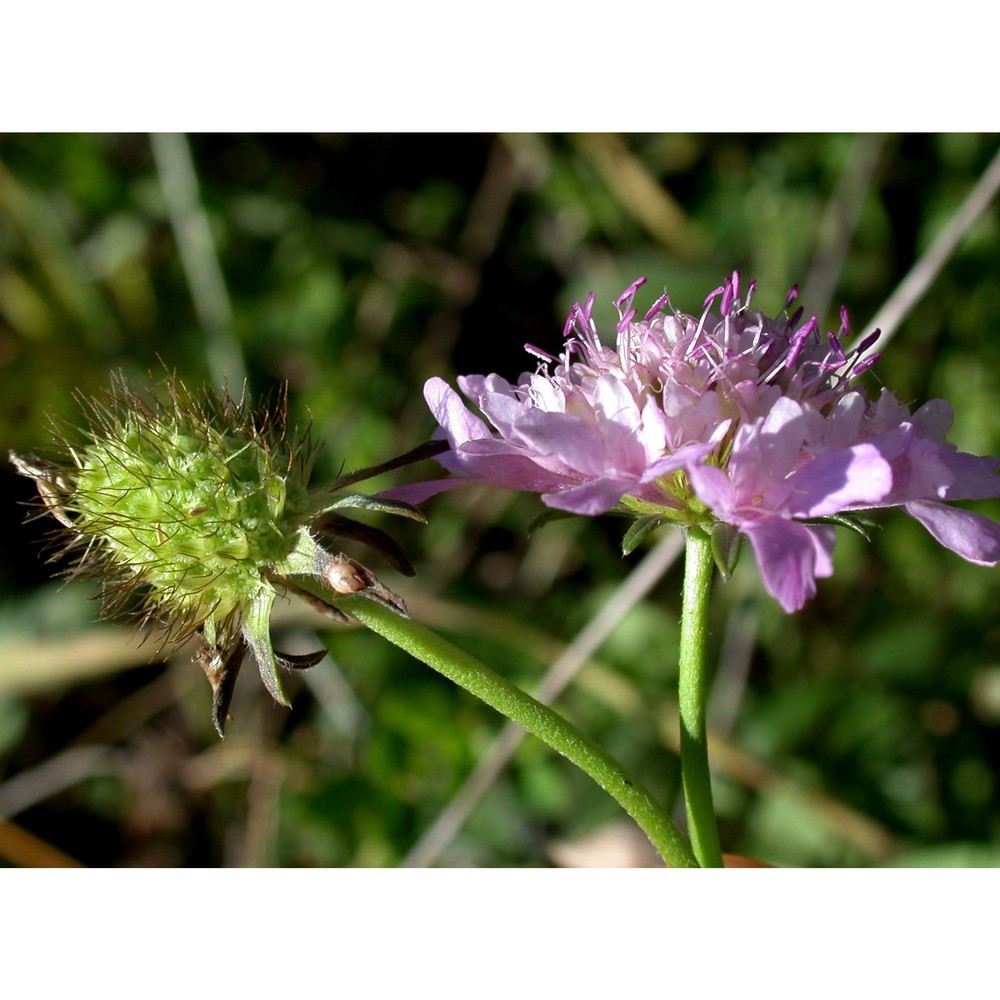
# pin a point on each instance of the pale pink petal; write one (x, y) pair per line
(837, 479)
(575, 443)
(786, 556)
(823, 537)
(452, 414)
(689, 455)
(503, 412)
(713, 487)
(781, 435)
(595, 497)
(419, 492)
(966, 533)
(934, 419)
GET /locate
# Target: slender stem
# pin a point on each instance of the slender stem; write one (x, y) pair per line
(561, 671)
(538, 719)
(692, 696)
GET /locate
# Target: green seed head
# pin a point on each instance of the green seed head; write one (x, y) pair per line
(193, 510)
(185, 503)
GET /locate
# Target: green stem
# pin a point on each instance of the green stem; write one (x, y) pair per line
(538, 719)
(692, 696)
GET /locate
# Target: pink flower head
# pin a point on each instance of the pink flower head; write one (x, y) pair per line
(729, 417)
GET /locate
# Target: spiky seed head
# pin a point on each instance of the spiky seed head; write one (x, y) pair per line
(191, 509)
(184, 502)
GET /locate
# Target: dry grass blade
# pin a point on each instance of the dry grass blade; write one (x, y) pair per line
(840, 220)
(646, 200)
(34, 665)
(198, 257)
(22, 848)
(53, 776)
(912, 288)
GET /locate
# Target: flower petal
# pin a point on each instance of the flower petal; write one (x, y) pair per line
(575, 444)
(419, 492)
(713, 487)
(975, 478)
(452, 414)
(596, 497)
(838, 479)
(966, 533)
(787, 557)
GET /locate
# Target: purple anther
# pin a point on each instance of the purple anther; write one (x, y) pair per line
(796, 343)
(657, 306)
(836, 350)
(713, 296)
(845, 323)
(869, 340)
(731, 293)
(625, 320)
(629, 292)
(807, 328)
(579, 317)
(863, 366)
(793, 294)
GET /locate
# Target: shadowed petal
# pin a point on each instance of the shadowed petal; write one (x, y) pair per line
(975, 477)
(419, 492)
(595, 497)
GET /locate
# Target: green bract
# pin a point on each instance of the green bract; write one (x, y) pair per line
(195, 510)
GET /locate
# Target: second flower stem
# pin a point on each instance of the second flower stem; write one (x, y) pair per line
(540, 720)
(693, 696)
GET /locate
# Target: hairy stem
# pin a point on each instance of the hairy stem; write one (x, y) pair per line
(538, 719)
(693, 696)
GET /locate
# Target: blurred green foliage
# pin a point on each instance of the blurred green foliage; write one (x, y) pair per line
(355, 267)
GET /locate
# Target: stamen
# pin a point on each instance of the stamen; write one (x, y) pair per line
(712, 296)
(624, 321)
(539, 353)
(863, 365)
(657, 306)
(730, 294)
(868, 341)
(836, 350)
(845, 323)
(629, 294)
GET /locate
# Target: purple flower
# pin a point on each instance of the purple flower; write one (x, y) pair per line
(730, 417)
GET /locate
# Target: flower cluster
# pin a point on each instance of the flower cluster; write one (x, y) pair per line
(194, 511)
(729, 418)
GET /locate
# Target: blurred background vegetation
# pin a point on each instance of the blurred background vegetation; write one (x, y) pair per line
(861, 731)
